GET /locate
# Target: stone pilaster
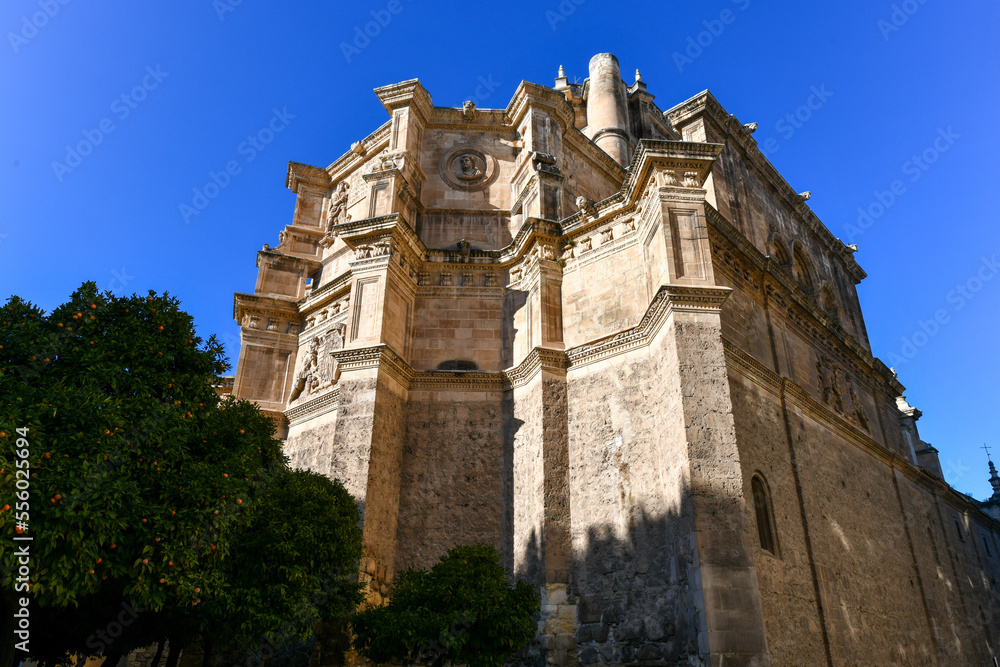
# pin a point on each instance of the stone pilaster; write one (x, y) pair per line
(733, 631)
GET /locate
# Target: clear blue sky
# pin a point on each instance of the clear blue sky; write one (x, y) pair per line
(211, 74)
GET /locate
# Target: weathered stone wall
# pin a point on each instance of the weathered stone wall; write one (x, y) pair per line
(603, 292)
(788, 595)
(310, 445)
(633, 526)
(524, 431)
(452, 327)
(451, 480)
(388, 434)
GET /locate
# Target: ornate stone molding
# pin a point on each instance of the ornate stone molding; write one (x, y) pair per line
(668, 299)
(327, 402)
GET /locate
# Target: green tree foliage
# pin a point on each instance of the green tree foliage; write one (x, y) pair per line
(144, 484)
(462, 611)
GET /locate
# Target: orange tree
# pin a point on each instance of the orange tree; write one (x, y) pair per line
(140, 480)
(462, 611)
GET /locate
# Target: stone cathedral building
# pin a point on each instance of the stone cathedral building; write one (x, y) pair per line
(613, 342)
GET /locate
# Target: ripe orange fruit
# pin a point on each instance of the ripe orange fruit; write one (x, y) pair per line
(145, 561)
(239, 502)
(162, 580)
(5, 508)
(90, 571)
(160, 328)
(241, 431)
(113, 546)
(93, 305)
(58, 496)
(99, 560)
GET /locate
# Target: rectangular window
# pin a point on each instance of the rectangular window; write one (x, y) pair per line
(958, 527)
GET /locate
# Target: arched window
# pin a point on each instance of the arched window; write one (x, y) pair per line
(779, 253)
(803, 272)
(765, 517)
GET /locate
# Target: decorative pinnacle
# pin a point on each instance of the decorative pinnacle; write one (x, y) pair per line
(562, 72)
(994, 477)
(638, 77)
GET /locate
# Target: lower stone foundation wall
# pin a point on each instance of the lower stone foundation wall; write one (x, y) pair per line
(451, 484)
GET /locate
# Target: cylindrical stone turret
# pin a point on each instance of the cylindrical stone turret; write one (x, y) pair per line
(607, 108)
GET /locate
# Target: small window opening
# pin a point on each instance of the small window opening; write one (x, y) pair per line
(762, 509)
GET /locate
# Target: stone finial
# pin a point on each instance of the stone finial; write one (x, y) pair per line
(638, 76)
(805, 196)
(994, 482)
(750, 127)
(562, 83)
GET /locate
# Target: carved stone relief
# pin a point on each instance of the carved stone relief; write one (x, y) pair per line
(320, 369)
(467, 168)
(837, 391)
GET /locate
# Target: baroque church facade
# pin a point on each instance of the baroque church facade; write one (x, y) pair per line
(613, 342)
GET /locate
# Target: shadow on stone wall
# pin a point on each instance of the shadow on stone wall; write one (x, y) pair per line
(635, 593)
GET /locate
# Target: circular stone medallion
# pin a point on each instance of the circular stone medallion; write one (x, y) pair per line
(466, 168)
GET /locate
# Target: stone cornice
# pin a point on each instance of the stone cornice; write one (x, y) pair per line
(706, 104)
(668, 299)
(326, 293)
(409, 93)
(355, 232)
(299, 173)
(850, 352)
(360, 152)
(274, 257)
(315, 407)
(264, 305)
(675, 155)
